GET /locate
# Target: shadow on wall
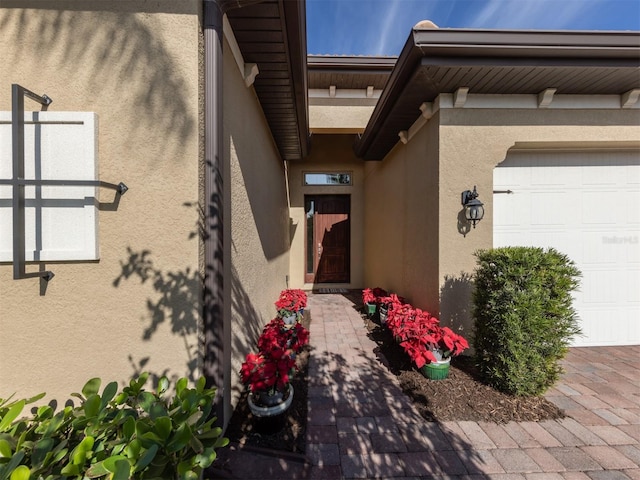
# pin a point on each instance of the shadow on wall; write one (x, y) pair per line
(292, 231)
(108, 51)
(464, 225)
(247, 323)
(178, 303)
(265, 188)
(456, 303)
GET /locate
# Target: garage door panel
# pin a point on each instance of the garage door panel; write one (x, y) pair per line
(550, 175)
(604, 174)
(587, 206)
(601, 287)
(516, 209)
(632, 210)
(509, 177)
(595, 250)
(623, 248)
(543, 208)
(601, 207)
(607, 331)
(594, 329)
(632, 256)
(509, 238)
(632, 284)
(545, 237)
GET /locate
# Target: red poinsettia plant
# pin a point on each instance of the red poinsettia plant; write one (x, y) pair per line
(426, 341)
(270, 369)
(420, 333)
(397, 310)
(266, 374)
(368, 296)
(291, 301)
(373, 295)
(277, 340)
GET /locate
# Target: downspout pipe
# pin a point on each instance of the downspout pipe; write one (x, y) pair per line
(216, 312)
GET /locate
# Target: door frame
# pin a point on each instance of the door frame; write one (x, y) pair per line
(310, 277)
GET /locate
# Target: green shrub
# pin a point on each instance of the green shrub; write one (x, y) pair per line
(524, 319)
(131, 434)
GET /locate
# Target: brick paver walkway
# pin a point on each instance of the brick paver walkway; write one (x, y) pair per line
(361, 425)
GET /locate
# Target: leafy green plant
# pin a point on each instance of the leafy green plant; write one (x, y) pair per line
(115, 435)
(524, 318)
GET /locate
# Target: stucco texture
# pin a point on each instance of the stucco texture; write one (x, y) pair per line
(258, 214)
(401, 220)
(138, 307)
(472, 143)
(328, 119)
(329, 153)
(416, 190)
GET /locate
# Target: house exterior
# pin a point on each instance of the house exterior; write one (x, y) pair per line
(550, 116)
(145, 302)
(545, 125)
(251, 168)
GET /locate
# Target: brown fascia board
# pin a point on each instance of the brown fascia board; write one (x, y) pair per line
(558, 47)
(405, 66)
(296, 34)
(528, 43)
(348, 63)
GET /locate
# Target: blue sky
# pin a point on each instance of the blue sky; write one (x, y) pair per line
(381, 27)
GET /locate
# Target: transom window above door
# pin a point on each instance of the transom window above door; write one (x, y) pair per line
(327, 178)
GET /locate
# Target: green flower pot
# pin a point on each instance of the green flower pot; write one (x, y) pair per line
(370, 309)
(436, 370)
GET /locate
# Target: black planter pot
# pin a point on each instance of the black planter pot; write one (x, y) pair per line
(269, 425)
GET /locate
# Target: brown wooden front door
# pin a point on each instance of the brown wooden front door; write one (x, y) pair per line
(328, 238)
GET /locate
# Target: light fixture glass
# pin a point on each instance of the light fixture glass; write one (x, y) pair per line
(473, 208)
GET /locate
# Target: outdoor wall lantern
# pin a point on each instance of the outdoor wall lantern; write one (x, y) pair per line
(473, 208)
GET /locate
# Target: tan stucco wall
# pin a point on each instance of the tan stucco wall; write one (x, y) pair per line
(472, 143)
(144, 87)
(401, 220)
(139, 71)
(421, 251)
(328, 153)
(259, 216)
(339, 119)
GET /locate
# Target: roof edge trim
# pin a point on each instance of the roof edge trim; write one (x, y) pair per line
(591, 47)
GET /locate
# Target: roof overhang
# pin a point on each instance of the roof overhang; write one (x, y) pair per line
(435, 61)
(272, 34)
(341, 80)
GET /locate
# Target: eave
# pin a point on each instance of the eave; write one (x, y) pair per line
(272, 34)
(435, 61)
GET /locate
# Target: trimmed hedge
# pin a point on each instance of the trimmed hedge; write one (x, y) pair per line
(524, 318)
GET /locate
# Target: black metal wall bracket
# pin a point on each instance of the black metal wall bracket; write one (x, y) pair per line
(18, 182)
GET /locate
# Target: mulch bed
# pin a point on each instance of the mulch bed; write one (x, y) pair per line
(461, 396)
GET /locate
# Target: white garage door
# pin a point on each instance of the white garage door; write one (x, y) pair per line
(587, 206)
